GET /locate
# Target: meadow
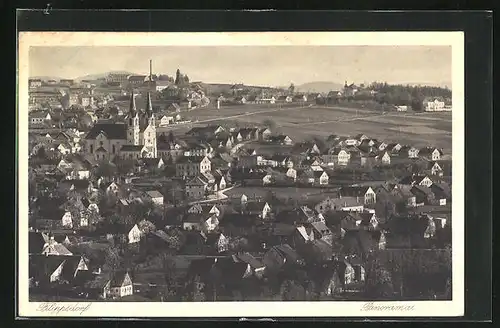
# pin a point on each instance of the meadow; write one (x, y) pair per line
(303, 122)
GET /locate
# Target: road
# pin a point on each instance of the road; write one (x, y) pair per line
(219, 196)
(223, 118)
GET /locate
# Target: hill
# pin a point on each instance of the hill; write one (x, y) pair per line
(319, 86)
(46, 78)
(101, 75)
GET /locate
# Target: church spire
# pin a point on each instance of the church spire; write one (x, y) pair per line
(132, 108)
(149, 105)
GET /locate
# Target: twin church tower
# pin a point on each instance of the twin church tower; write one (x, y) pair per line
(141, 126)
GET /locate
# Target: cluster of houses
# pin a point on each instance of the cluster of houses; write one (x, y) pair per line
(129, 182)
(73, 201)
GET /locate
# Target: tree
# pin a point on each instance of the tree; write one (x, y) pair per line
(171, 137)
(178, 77)
(269, 124)
(291, 290)
(185, 79)
(291, 89)
(378, 281)
(113, 259)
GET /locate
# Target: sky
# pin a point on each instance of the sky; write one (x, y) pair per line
(254, 65)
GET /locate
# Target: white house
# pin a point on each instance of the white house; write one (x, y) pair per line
(134, 235)
(120, 285)
(67, 220)
(434, 105)
(155, 196)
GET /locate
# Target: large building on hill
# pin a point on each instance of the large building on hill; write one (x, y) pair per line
(131, 140)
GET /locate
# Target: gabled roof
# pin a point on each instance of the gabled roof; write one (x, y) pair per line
(112, 131)
(190, 159)
(132, 148)
(119, 279)
(354, 191)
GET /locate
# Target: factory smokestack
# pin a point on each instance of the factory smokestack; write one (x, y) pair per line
(150, 70)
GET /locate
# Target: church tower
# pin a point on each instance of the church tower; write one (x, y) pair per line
(133, 123)
(150, 131)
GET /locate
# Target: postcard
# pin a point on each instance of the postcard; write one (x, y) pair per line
(247, 175)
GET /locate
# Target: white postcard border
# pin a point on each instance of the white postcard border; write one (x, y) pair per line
(247, 309)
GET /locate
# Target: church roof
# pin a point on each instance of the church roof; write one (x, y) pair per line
(111, 131)
(131, 148)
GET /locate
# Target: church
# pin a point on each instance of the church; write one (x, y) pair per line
(134, 139)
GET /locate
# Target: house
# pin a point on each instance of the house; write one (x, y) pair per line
(367, 194)
(210, 224)
(217, 242)
(256, 266)
(352, 142)
(349, 204)
(284, 99)
(120, 285)
(350, 90)
(134, 234)
(281, 140)
(404, 193)
(196, 188)
(264, 134)
(291, 173)
(423, 194)
(433, 105)
(194, 221)
(166, 120)
(52, 247)
(431, 154)
(261, 209)
(382, 146)
(35, 83)
(39, 117)
(416, 180)
(299, 215)
(247, 161)
(351, 274)
(385, 158)
(299, 98)
(192, 166)
(394, 148)
(404, 232)
(240, 100)
(196, 150)
(307, 176)
(48, 269)
(320, 178)
(361, 137)
(365, 160)
(442, 192)
(413, 152)
(321, 231)
(174, 107)
(435, 169)
(155, 196)
(283, 161)
(342, 156)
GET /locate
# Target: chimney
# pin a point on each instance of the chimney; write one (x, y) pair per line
(150, 70)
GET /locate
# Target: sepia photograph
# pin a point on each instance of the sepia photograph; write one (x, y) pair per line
(310, 171)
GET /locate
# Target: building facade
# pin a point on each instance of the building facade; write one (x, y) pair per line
(106, 140)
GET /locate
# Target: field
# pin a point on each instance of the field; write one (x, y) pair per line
(303, 122)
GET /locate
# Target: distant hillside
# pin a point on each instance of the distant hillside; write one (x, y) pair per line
(322, 87)
(225, 88)
(46, 78)
(101, 75)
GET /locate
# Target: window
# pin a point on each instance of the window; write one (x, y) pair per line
(91, 149)
(114, 150)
